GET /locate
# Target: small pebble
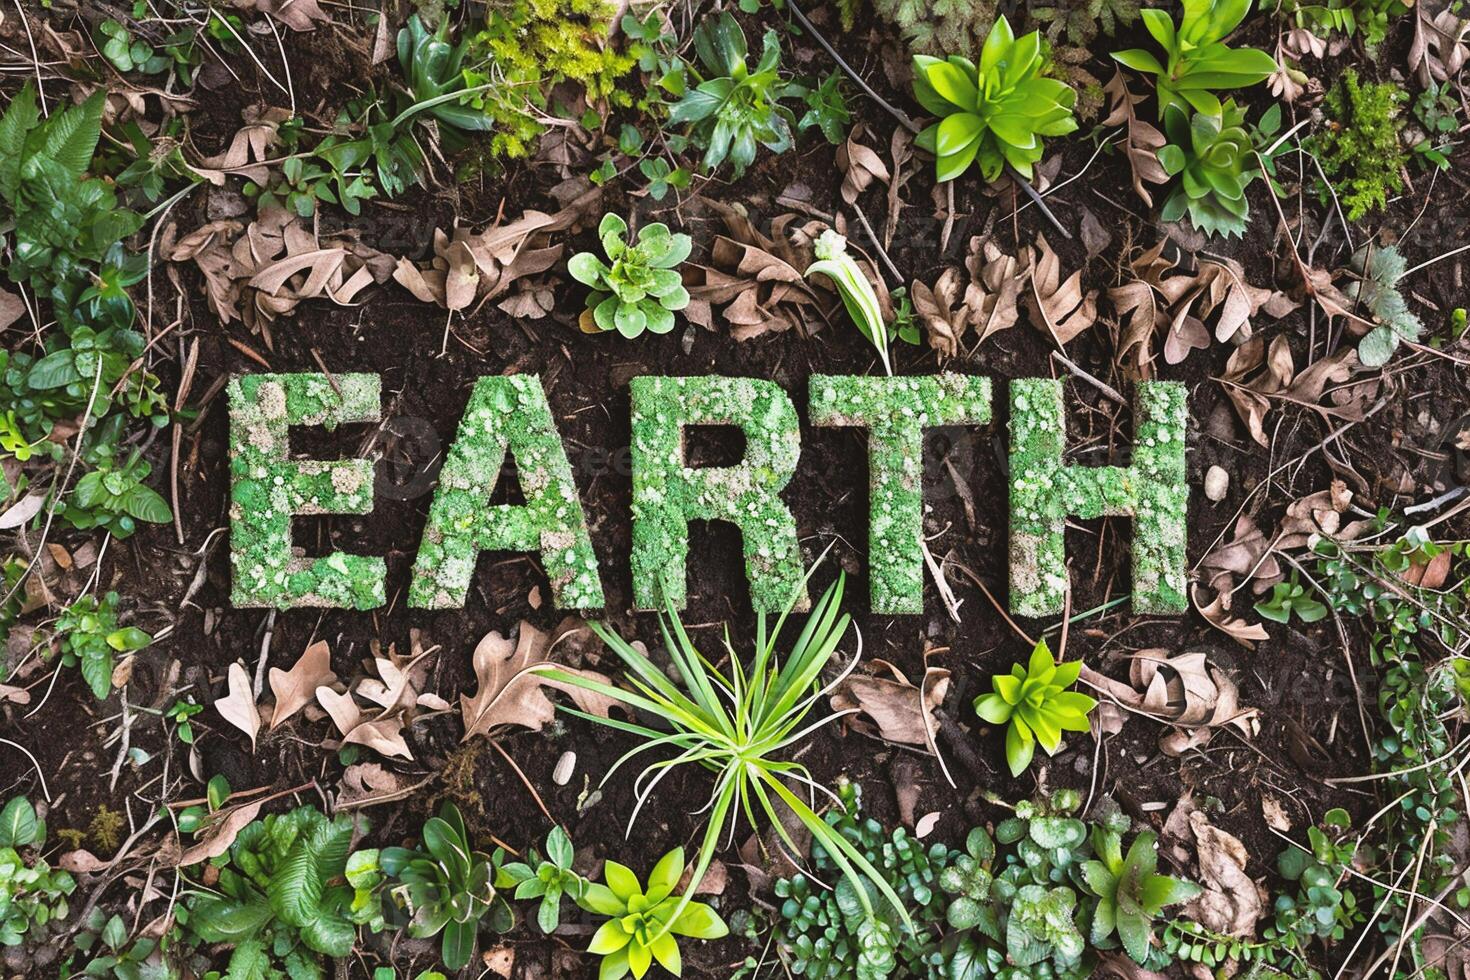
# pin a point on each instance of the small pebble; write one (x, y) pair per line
(565, 766)
(1217, 483)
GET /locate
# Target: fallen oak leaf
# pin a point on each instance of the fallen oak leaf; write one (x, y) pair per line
(238, 707)
(903, 714)
(1059, 308)
(223, 828)
(860, 166)
(295, 688)
(1141, 141)
(510, 689)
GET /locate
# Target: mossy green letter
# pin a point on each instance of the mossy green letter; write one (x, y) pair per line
(667, 494)
(896, 411)
(506, 413)
(1045, 492)
(268, 488)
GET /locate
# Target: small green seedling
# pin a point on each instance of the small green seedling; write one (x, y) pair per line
(858, 296)
(549, 879)
(994, 114)
(642, 288)
(1130, 893)
(645, 922)
(1197, 59)
(1035, 705)
(1291, 597)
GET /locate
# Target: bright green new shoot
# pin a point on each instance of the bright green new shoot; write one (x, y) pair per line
(1198, 61)
(1130, 894)
(644, 922)
(738, 725)
(641, 289)
(995, 113)
(1034, 703)
(837, 264)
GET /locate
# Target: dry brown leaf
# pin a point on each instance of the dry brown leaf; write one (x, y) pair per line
(511, 693)
(1217, 614)
(220, 834)
(936, 309)
(238, 707)
(994, 290)
(81, 862)
(759, 276)
(1247, 555)
(299, 15)
(1189, 692)
(12, 308)
(1275, 814)
(1231, 904)
(1059, 308)
(462, 278)
(860, 166)
(295, 688)
(1141, 141)
(1257, 375)
(1438, 51)
(901, 713)
(250, 148)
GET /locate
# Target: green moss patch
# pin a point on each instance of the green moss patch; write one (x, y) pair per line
(506, 414)
(895, 412)
(1044, 492)
(268, 488)
(667, 494)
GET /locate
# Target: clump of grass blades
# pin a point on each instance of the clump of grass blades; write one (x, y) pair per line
(736, 723)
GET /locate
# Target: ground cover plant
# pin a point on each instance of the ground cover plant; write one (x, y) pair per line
(559, 488)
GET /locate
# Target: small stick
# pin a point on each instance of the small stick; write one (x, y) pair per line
(1036, 200)
(903, 118)
(265, 650)
(534, 795)
(1106, 389)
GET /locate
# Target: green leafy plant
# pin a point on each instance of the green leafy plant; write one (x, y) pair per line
(179, 713)
(113, 496)
(826, 110)
(645, 920)
(1291, 597)
(87, 634)
(1320, 908)
(737, 725)
(826, 933)
(1379, 270)
(1035, 706)
(994, 113)
(858, 297)
(1131, 895)
(1197, 60)
(1211, 158)
(642, 288)
(32, 893)
(1360, 151)
(447, 887)
(1349, 17)
(1015, 899)
(281, 897)
(433, 68)
(1437, 109)
(732, 109)
(550, 879)
(127, 52)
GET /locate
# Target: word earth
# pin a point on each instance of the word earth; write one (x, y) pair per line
(511, 414)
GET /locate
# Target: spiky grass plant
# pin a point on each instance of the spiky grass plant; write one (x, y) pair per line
(737, 723)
